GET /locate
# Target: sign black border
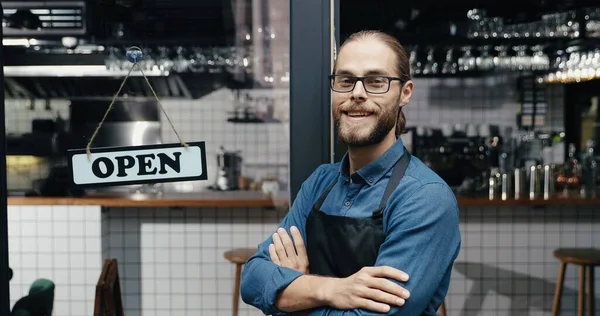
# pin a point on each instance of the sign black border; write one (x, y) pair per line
(73, 152)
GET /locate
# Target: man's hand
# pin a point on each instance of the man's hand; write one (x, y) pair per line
(287, 253)
(367, 289)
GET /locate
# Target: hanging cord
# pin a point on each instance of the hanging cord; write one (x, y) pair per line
(89, 154)
(184, 144)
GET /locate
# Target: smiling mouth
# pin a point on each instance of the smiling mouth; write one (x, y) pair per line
(357, 115)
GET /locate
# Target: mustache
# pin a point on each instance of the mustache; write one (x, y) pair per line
(357, 108)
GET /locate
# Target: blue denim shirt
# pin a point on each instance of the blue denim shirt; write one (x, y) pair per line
(420, 222)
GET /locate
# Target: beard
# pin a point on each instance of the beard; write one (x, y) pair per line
(368, 133)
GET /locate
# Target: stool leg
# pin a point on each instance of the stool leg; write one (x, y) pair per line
(558, 290)
(591, 295)
(236, 290)
(581, 295)
(442, 309)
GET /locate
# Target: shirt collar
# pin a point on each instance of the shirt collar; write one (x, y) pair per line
(375, 170)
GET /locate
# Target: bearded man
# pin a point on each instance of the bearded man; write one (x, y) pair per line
(375, 233)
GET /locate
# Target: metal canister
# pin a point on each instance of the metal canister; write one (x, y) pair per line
(549, 182)
(506, 186)
(519, 183)
(589, 188)
(494, 184)
(535, 183)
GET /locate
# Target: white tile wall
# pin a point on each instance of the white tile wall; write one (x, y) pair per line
(59, 243)
(171, 260)
(20, 112)
(506, 266)
(485, 100)
(195, 120)
(491, 100)
(259, 144)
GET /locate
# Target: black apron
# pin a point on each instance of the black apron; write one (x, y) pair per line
(339, 246)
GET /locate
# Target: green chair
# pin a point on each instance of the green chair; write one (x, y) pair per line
(39, 301)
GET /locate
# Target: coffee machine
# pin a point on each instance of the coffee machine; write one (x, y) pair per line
(229, 170)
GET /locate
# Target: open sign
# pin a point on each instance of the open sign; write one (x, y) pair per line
(113, 166)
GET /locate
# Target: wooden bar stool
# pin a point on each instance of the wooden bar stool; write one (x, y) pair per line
(108, 300)
(238, 256)
(585, 258)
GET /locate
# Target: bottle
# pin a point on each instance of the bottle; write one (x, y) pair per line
(589, 171)
(572, 173)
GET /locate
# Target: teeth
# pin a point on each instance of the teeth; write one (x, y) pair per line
(358, 113)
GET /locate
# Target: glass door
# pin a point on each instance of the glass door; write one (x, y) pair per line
(247, 77)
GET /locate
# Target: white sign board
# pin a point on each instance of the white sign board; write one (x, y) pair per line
(112, 166)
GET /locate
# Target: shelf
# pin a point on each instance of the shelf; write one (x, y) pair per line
(556, 201)
(447, 41)
(249, 199)
(235, 199)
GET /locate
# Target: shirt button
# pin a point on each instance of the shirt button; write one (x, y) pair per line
(370, 180)
(347, 203)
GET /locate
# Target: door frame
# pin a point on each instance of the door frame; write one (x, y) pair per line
(314, 34)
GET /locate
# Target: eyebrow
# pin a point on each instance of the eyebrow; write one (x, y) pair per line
(371, 72)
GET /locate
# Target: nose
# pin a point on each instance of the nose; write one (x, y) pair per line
(359, 92)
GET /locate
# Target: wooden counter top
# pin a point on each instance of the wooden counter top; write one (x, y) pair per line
(243, 199)
(464, 201)
(234, 199)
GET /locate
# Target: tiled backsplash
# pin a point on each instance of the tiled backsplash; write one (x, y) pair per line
(171, 260)
(491, 100)
(59, 243)
(485, 100)
(260, 145)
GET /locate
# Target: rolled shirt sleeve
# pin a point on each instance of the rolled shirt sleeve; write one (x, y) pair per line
(262, 280)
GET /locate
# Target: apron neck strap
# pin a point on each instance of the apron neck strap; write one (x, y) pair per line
(397, 175)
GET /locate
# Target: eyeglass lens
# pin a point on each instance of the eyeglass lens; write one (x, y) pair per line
(373, 84)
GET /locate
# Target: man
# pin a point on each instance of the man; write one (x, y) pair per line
(381, 229)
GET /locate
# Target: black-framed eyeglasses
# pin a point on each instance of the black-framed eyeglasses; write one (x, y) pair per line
(372, 84)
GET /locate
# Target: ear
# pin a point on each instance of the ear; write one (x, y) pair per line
(406, 93)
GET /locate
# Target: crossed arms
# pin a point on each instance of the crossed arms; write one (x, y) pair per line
(364, 289)
(422, 240)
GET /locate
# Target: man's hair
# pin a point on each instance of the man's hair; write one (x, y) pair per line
(402, 63)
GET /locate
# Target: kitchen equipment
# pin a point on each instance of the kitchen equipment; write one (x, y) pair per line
(506, 186)
(243, 112)
(535, 182)
(519, 183)
(129, 123)
(48, 138)
(494, 184)
(549, 181)
(270, 186)
(229, 170)
(589, 183)
(245, 115)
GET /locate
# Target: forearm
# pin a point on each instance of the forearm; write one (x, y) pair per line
(262, 280)
(304, 293)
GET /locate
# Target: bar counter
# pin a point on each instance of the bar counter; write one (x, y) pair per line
(231, 199)
(173, 244)
(245, 199)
